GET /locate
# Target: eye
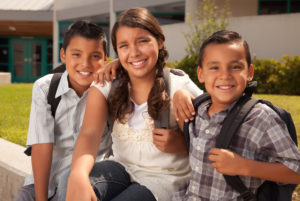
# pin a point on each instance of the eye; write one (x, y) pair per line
(236, 67)
(122, 46)
(96, 56)
(75, 54)
(144, 41)
(213, 68)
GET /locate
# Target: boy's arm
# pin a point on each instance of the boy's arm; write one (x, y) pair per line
(230, 163)
(41, 158)
(85, 151)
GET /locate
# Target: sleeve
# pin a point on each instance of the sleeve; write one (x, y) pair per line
(41, 122)
(275, 144)
(103, 89)
(183, 82)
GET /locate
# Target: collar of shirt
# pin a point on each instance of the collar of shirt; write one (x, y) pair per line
(216, 117)
(64, 86)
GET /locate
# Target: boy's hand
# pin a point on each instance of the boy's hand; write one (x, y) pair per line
(226, 161)
(183, 107)
(106, 71)
(168, 140)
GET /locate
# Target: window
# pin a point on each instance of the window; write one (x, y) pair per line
(278, 6)
(4, 54)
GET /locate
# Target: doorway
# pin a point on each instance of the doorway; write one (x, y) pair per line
(28, 59)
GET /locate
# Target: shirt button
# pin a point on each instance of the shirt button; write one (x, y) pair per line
(206, 131)
(197, 168)
(198, 148)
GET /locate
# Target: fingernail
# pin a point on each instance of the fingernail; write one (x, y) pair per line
(193, 113)
(177, 119)
(114, 78)
(186, 120)
(101, 85)
(192, 118)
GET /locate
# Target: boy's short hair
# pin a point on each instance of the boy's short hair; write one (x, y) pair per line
(221, 37)
(85, 29)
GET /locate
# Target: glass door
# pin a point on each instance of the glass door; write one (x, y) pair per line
(29, 59)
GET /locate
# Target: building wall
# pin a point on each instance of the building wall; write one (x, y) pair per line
(269, 36)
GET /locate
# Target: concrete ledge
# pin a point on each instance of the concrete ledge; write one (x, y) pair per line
(5, 78)
(14, 166)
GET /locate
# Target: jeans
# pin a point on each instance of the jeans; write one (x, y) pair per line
(27, 192)
(110, 181)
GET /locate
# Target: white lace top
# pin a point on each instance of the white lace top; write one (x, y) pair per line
(162, 173)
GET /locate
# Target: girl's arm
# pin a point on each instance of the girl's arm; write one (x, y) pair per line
(85, 151)
(107, 72)
(230, 163)
(183, 106)
(41, 159)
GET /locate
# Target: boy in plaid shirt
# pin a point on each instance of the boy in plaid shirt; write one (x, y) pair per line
(261, 149)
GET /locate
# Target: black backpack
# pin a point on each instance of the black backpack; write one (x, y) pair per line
(52, 101)
(268, 191)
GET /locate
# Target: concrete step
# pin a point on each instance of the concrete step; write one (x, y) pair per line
(14, 166)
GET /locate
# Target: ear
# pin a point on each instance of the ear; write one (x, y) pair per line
(250, 73)
(62, 55)
(161, 44)
(200, 74)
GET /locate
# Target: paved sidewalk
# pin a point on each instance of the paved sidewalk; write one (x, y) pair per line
(14, 166)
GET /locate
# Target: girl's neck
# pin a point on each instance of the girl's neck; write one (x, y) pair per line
(140, 89)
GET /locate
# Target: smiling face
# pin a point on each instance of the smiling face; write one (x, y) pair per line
(225, 73)
(82, 57)
(138, 52)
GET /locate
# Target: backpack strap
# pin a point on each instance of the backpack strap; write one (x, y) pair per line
(59, 69)
(52, 101)
(196, 103)
(230, 126)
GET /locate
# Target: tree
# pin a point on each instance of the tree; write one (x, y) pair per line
(209, 18)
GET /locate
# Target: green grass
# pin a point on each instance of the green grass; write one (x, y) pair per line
(15, 101)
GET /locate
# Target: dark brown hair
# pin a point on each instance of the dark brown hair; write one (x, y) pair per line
(158, 99)
(221, 37)
(85, 29)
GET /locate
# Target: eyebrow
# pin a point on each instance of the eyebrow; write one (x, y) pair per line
(74, 49)
(138, 38)
(212, 63)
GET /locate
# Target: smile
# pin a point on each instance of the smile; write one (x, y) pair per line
(138, 63)
(225, 87)
(84, 73)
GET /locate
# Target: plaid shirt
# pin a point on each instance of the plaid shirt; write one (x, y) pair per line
(263, 136)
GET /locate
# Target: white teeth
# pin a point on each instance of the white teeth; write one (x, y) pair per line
(84, 73)
(225, 87)
(138, 63)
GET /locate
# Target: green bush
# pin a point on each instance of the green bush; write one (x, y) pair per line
(189, 65)
(278, 77)
(273, 77)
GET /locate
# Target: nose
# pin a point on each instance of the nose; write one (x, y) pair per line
(225, 74)
(85, 61)
(134, 51)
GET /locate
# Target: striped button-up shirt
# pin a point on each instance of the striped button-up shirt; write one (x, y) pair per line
(61, 131)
